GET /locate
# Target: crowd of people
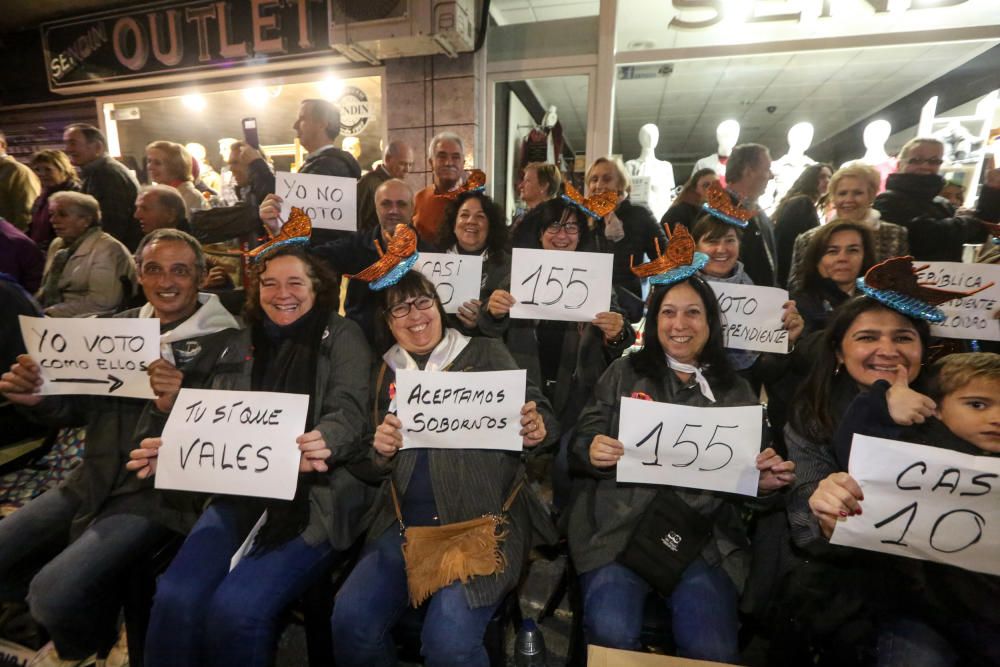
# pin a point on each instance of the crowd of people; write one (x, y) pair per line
(82, 238)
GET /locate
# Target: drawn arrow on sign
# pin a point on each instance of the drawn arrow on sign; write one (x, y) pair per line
(112, 380)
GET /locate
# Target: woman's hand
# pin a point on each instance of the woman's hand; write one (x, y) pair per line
(907, 406)
(775, 472)
(791, 321)
(21, 383)
(143, 458)
(468, 313)
(605, 451)
(610, 324)
(165, 380)
(269, 211)
(500, 303)
(836, 498)
(314, 452)
(532, 425)
(388, 438)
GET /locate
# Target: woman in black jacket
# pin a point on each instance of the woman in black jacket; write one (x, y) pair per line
(687, 207)
(798, 212)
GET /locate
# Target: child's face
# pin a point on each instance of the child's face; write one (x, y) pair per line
(972, 412)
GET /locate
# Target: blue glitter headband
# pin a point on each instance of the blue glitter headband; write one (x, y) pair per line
(902, 303)
(716, 213)
(395, 274)
(679, 273)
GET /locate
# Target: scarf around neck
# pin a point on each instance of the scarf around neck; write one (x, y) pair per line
(451, 345)
(699, 377)
(210, 318)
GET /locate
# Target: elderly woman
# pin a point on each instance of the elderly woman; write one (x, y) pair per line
(629, 231)
(851, 193)
(798, 212)
(205, 613)
(474, 225)
(682, 361)
(87, 272)
(436, 488)
(540, 183)
(170, 164)
(56, 174)
(687, 207)
(837, 255)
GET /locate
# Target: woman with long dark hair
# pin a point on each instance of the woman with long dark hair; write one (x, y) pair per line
(799, 211)
(687, 206)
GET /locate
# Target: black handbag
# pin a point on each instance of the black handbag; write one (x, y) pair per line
(669, 536)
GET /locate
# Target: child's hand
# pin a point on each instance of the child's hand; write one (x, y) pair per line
(906, 406)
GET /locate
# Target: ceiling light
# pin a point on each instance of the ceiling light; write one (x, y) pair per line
(256, 95)
(331, 88)
(194, 102)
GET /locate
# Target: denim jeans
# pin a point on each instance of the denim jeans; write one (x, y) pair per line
(205, 615)
(907, 642)
(374, 597)
(76, 595)
(703, 610)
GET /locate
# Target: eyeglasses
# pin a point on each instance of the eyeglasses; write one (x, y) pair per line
(932, 161)
(570, 228)
(177, 271)
(402, 309)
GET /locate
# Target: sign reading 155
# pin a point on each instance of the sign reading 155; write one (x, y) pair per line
(560, 284)
(553, 283)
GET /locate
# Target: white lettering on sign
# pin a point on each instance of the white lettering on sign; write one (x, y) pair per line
(457, 277)
(100, 356)
(329, 201)
(442, 410)
(681, 445)
(235, 442)
(751, 316)
(971, 317)
(925, 502)
(560, 285)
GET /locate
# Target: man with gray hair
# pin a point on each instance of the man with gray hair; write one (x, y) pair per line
(396, 163)
(446, 157)
(161, 207)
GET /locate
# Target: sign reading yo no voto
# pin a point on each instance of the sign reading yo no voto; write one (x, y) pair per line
(329, 201)
(99, 356)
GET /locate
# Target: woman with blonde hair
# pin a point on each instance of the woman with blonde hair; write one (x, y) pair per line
(56, 174)
(169, 163)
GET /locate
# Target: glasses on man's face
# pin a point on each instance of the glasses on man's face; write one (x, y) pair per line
(402, 309)
(570, 228)
(932, 161)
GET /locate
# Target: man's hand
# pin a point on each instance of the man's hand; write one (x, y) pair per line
(20, 385)
(165, 380)
(269, 211)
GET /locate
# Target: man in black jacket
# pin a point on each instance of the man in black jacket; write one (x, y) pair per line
(911, 200)
(748, 171)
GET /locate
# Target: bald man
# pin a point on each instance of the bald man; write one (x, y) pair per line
(396, 163)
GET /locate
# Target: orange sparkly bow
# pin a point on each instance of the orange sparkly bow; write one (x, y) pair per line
(296, 231)
(595, 206)
(475, 182)
(399, 256)
(678, 262)
(719, 204)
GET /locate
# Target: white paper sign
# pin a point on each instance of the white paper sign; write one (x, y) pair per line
(100, 356)
(640, 190)
(560, 284)
(236, 442)
(442, 410)
(970, 317)
(698, 448)
(329, 201)
(925, 502)
(751, 317)
(458, 278)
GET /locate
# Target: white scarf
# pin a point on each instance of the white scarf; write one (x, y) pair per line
(452, 343)
(699, 378)
(210, 318)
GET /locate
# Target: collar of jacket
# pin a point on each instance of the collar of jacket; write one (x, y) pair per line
(919, 186)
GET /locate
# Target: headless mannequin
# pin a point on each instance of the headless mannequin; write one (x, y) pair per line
(726, 135)
(875, 135)
(656, 175)
(789, 166)
(227, 190)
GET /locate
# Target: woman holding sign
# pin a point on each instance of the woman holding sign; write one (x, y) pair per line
(205, 612)
(448, 503)
(703, 560)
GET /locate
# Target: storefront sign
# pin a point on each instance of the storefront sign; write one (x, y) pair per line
(355, 111)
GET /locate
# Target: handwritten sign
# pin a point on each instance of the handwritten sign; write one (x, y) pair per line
(560, 284)
(442, 410)
(97, 356)
(329, 201)
(236, 442)
(970, 317)
(699, 448)
(458, 278)
(925, 502)
(751, 317)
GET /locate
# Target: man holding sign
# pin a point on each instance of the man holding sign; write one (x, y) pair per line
(104, 518)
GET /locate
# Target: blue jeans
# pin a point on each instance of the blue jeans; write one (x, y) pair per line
(374, 597)
(907, 642)
(77, 594)
(703, 610)
(205, 615)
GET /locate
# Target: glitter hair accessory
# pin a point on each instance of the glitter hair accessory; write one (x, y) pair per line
(893, 283)
(679, 261)
(399, 257)
(474, 182)
(720, 205)
(595, 206)
(295, 232)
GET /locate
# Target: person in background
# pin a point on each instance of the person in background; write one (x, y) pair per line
(106, 180)
(87, 271)
(19, 188)
(446, 158)
(20, 258)
(250, 172)
(56, 174)
(687, 206)
(748, 172)
(540, 183)
(169, 163)
(954, 193)
(799, 211)
(396, 163)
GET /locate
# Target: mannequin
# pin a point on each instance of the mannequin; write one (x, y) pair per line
(652, 179)
(726, 135)
(789, 166)
(208, 175)
(875, 135)
(227, 191)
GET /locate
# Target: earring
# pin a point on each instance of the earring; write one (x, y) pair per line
(836, 371)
